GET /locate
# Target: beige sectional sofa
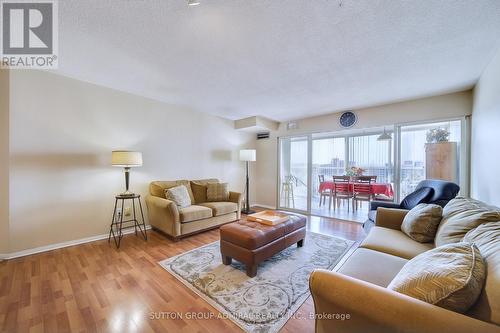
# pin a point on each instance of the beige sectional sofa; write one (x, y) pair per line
(164, 215)
(358, 287)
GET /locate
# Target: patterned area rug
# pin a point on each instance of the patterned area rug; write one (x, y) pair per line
(264, 303)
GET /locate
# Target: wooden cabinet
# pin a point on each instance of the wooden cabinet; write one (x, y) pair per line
(441, 161)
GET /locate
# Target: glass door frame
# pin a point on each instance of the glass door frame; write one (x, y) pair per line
(309, 174)
(464, 176)
(309, 136)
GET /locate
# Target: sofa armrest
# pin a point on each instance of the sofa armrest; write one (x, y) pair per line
(376, 204)
(372, 308)
(164, 215)
(390, 217)
(236, 198)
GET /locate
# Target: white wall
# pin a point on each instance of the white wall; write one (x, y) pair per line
(62, 132)
(486, 136)
(4, 161)
(438, 107)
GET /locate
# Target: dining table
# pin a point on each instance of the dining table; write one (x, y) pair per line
(375, 188)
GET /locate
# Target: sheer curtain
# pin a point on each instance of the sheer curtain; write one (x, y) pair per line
(374, 156)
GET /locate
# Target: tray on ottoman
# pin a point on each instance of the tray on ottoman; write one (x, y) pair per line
(268, 217)
(252, 242)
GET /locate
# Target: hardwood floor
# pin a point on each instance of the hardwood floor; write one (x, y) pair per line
(95, 288)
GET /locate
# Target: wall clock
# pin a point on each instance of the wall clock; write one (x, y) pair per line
(347, 119)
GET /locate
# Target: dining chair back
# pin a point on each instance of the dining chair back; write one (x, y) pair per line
(342, 190)
(342, 185)
(362, 190)
(323, 192)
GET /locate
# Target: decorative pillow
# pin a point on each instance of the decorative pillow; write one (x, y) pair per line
(487, 239)
(217, 192)
(422, 221)
(199, 192)
(451, 276)
(179, 195)
(421, 195)
(461, 215)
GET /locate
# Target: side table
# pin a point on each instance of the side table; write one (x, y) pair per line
(116, 228)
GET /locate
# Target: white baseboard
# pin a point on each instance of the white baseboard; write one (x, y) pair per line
(61, 245)
(264, 206)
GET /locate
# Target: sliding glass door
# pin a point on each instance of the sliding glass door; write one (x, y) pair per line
(398, 159)
(429, 151)
(328, 160)
(372, 155)
(294, 173)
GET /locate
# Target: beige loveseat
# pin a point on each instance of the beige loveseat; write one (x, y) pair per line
(358, 288)
(164, 215)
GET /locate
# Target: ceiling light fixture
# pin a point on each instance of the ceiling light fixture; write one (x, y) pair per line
(193, 2)
(384, 136)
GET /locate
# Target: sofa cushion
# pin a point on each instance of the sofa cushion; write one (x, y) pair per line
(450, 276)
(157, 188)
(205, 181)
(372, 266)
(421, 222)
(418, 196)
(199, 192)
(394, 242)
(487, 238)
(179, 195)
(194, 213)
(221, 208)
(461, 215)
(217, 192)
(199, 188)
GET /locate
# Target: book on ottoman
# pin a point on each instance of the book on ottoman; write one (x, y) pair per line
(268, 217)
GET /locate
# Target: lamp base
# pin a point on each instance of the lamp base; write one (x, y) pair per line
(247, 212)
(127, 194)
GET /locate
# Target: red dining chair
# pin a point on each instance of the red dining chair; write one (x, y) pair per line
(362, 190)
(325, 192)
(342, 190)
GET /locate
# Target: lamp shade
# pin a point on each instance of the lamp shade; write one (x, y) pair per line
(247, 155)
(122, 158)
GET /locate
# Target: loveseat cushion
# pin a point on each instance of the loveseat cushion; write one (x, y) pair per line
(194, 213)
(372, 266)
(217, 192)
(157, 188)
(450, 276)
(179, 195)
(394, 242)
(487, 238)
(199, 188)
(221, 208)
(461, 215)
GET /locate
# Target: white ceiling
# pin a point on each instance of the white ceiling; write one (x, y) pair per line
(282, 59)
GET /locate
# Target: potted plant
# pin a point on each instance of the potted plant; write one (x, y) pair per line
(436, 135)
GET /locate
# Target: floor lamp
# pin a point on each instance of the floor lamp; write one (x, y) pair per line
(247, 155)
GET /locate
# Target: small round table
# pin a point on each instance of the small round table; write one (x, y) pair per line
(116, 228)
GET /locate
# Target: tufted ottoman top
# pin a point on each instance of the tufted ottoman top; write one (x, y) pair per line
(252, 235)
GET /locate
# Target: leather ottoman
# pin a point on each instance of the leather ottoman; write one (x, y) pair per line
(252, 242)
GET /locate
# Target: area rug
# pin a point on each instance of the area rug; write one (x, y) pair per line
(264, 303)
